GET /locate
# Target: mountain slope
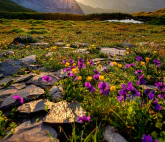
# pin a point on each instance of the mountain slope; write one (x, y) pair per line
(7, 5)
(65, 6)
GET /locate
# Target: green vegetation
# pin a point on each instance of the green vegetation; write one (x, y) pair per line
(8, 5)
(133, 116)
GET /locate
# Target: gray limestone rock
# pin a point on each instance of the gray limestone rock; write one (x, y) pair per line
(28, 94)
(28, 132)
(111, 136)
(37, 80)
(35, 106)
(64, 112)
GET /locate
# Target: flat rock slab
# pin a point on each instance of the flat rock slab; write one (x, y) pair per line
(59, 43)
(35, 106)
(7, 53)
(10, 67)
(29, 93)
(49, 54)
(39, 44)
(111, 136)
(29, 59)
(17, 86)
(4, 93)
(150, 87)
(37, 80)
(80, 44)
(61, 74)
(99, 59)
(1, 75)
(28, 132)
(113, 51)
(63, 112)
(24, 78)
(81, 51)
(6, 80)
(128, 44)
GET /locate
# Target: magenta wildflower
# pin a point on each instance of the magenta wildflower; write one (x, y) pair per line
(160, 86)
(76, 78)
(46, 78)
(127, 91)
(157, 62)
(17, 97)
(84, 118)
(157, 105)
(160, 96)
(91, 62)
(71, 61)
(139, 58)
(150, 94)
(96, 75)
(128, 66)
(89, 87)
(146, 138)
(141, 80)
(138, 71)
(132, 90)
(81, 64)
(64, 61)
(71, 74)
(104, 88)
(122, 93)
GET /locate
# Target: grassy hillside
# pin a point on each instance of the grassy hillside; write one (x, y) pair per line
(157, 13)
(7, 5)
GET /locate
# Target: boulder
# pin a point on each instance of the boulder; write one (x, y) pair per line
(10, 67)
(111, 136)
(24, 40)
(28, 132)
(64, 112)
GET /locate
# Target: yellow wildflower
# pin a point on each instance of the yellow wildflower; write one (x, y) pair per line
(142, 63)
(127, 49)
(74, 64)
(89, 78)
(88, 63)
(99, 65)
(74, 70)
(127, 53)
(147, 59)
(67, 64)
(101, 78)
(79, 77)
(51, 59)
(113, 88)
(114, 63)
(47, 48)
(119, 65)
(155, 52)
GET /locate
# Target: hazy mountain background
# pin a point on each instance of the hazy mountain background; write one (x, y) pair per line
(127, 5)
(82, 6)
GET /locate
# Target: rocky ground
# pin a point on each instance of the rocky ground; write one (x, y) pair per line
(38, 118)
